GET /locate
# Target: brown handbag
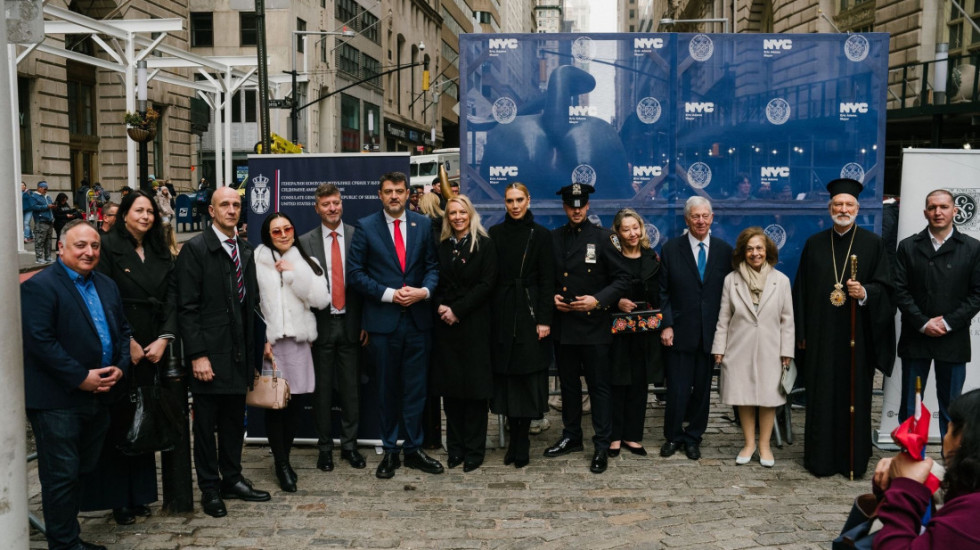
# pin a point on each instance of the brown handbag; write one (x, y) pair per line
(269, 391)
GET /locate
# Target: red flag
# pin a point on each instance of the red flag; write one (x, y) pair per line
(912, 435)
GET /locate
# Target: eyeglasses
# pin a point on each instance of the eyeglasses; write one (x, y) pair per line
(281, 231)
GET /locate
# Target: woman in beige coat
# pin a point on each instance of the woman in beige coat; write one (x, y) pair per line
(754, 339)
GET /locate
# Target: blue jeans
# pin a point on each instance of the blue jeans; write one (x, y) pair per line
(28, 216)
(69, 442)
(949, 384)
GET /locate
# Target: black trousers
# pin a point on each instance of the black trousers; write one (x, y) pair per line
(629, 405)
(280, 427)
(688, 395)
(335, 360)
(219, 464)
(466, 428)
(591, 361)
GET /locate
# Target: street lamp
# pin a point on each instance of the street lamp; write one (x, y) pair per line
(141, 105)
(669, 21)
(293, 110)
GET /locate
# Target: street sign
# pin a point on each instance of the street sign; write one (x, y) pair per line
(279, 104)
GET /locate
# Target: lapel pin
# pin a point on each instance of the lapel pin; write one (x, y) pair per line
(126, 270)
(412, 224)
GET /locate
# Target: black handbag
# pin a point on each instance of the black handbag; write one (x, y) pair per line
(157, 423)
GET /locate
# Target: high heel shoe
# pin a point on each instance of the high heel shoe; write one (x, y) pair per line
(767, 463)
(286, 481)
(614, 452)
(743, 460)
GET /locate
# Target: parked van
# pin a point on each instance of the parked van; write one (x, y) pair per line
(425, 168)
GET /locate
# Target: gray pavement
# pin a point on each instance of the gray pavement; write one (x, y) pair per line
(639, 502)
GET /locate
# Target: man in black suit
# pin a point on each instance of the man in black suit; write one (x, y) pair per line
(693, 269)
(217, 297)
(76, 347)
(339, 335)
(590, 279)
(937, 288)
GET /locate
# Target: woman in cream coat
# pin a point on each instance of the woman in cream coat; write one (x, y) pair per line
(290, 283)
(754, 339)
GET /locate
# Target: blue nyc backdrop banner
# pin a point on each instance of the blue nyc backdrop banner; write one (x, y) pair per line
(757, 123)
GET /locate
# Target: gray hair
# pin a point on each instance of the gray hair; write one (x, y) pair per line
(695, 201)
(72, 224)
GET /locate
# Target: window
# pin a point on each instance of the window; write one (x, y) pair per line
(300, 26)
(81, 108)
(350, 128)
(346, 11)
(348, 58)
(244, 106)
(202, 29)
(371, 67)
(248, 29)
(369, 26)
(323, 48)
(24, 112)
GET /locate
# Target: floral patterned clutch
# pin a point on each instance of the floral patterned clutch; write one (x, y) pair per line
(637, 321)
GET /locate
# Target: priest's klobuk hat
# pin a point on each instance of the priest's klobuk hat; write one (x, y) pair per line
(576, 195)
(845, 185)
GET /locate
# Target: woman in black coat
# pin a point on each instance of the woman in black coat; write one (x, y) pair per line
(523, 303)
(63, 213)
(135, 255)
(636, 357)
(462, 372)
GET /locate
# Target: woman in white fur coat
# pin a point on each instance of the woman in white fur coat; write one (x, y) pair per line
(290, 283)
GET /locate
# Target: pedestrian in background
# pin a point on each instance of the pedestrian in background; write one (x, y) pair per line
(63, 213)
(42, 206)
(754, 339)
(27, 208)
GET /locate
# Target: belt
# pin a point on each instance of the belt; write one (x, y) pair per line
(337, 315)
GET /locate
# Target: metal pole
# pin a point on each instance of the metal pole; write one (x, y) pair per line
(175, 467)
(263, 76)
(144, 161)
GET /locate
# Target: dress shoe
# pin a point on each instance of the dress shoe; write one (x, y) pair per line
(741, 460)
(470, 465)
(354, 458)
(325, 461)
(767, 463)
(389, 463)
(693, 451)
(286, 482)
(613, 453)
(123, 516)
(670, 447)
(90, 545)
(243, 490)
(599, 462)
(521, 461)
(454, 461)
(141, 511)
(292, 472)
(212, 504)
(508, 458)
(564, 446)
(420, 461)
(638, 451)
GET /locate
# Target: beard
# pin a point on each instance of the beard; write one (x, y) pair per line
(844, 220)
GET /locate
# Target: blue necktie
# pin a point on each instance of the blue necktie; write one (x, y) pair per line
(702, 260)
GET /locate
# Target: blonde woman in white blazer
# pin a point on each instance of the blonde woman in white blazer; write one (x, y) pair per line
(754, 339)
(290, 283)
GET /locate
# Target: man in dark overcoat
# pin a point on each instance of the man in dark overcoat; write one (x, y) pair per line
(591, 278)
(937, 289)
(216, 304)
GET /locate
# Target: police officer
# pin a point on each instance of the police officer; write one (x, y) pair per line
(590, 280)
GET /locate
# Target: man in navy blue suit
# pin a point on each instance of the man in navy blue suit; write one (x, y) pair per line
(76, 347)
(393, 264)
(693, 267)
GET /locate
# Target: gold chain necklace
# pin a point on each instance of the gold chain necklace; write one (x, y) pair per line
(837, 296)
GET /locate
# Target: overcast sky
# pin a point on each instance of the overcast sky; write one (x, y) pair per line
(603, 16)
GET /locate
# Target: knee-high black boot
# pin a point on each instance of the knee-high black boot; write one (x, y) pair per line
(276, 432)
(520, 442)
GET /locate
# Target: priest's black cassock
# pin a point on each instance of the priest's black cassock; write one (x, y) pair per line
(826, 329)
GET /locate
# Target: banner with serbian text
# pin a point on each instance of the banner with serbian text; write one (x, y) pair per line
(286, 183)
(757, 123)
(923, 171)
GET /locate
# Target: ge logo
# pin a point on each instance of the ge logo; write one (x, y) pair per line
(966, 208)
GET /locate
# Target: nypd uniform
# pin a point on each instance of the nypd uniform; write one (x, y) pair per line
(586, 264)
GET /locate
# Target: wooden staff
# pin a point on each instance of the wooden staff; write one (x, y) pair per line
(854, 274)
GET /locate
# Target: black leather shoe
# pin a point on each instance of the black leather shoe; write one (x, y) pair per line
(639, 451)
(563, 447)
(243, 490)
(471, 465)
(455, 461)
(599, 462)
(508, 458)
(421, 461)
(389, 463)
(354, 458)
(325, 461)
(614, 452)
(124, 516)
(141, 511)
(90, 546)
(669, 448)
(521, 461)
(212, 504)
(693, 451)
(286, 482)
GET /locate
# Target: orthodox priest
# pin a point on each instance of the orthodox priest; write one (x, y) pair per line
(822, 294)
